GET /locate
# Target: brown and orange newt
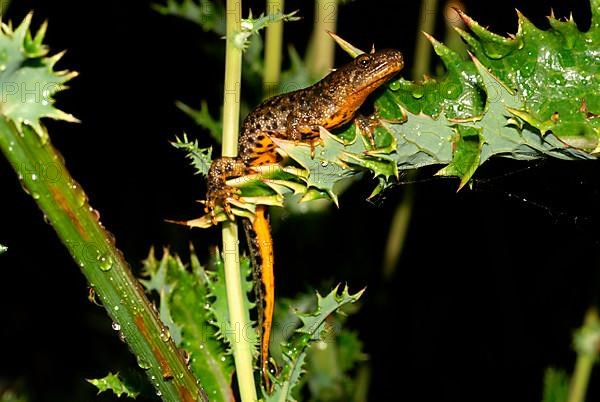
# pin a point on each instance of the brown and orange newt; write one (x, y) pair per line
(296, 116)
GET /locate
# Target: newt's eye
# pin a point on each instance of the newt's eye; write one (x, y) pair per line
(364, 60)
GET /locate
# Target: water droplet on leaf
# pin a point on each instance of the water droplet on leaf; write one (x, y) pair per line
(143, 364)
(105, 261)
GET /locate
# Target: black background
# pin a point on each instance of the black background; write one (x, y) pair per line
(492, 283)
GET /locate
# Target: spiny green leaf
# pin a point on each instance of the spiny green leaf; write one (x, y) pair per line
(3, 249)
(116, 384)
(311, 330)
(556, 385)
(28, 79)
(185, 308)
(554, 71)
(252, 26)
(220, 310)
(467, 151)
(200, 157)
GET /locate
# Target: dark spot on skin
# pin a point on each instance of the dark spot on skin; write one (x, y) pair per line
(278, 158)
(260, 137)
(259, 261)
(258, 144)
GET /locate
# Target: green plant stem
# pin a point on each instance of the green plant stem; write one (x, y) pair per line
(401, 220)
(4, 6)
(422, 45)
(64, 204)
(451, 38)
(321, 49)
(398, 230)
(242, 352)
(273, 50)
(583, 364)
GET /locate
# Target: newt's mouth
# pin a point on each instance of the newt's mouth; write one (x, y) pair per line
(373, 85)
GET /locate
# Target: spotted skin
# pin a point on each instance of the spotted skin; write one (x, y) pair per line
(295, 116)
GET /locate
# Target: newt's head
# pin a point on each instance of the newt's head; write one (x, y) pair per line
(352, 83)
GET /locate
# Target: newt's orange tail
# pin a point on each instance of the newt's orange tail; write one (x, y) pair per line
(260, 242)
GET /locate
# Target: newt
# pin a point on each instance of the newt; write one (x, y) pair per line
(295, 116)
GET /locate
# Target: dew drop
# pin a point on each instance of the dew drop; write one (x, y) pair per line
(34, 177)
(116, 326)
(105, 261)
(165, 335)
(324, 163)
(95, 213)
(143, 364)
(395, 85)
(158, 393)
(35, 196)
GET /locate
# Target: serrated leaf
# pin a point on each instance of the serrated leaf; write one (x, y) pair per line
(310, 331)
(201, 157)
(185, 308)
(553, 70)
(28, 79)
(219, 307)
(116, 384)
(466, 153)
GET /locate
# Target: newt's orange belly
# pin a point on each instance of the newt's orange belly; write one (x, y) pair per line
(263, 152)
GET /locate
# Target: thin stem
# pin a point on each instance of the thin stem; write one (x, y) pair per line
(398, 231)
(273, 50)
(422, 46)
(401, 220)
(3, 7)
(65, 206)
(242, 352)
(585, 361)
(321, 48)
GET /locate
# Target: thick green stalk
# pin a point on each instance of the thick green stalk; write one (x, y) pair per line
(64, 204)
(273, 49)
(242, 352)
(586, 358)
(321, 49)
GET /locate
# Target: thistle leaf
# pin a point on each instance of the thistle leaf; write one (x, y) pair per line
(200, 157)
(28, 79)
(185, 307)
(115, 383)
(311, 330)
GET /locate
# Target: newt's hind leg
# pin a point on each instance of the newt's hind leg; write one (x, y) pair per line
(218, 192)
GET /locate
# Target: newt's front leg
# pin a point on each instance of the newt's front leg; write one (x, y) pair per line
(219, 193)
